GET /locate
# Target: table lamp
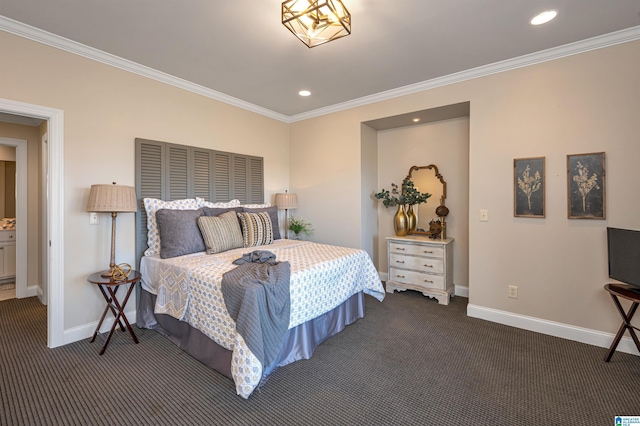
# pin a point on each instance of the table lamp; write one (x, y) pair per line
(112, 199)
(286, 201)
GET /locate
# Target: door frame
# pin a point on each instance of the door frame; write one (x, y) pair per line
(22, 228)
(55, 212)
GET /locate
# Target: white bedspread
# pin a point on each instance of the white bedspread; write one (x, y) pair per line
(322, 277)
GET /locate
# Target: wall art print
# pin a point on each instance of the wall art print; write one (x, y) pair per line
(586, 186)
(529, 187)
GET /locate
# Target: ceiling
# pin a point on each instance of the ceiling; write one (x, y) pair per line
(239, 51)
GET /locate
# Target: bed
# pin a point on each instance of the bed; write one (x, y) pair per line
(184, 259)
(181, 295)
(326, 282)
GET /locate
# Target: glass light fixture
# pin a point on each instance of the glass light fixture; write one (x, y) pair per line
(316, 22)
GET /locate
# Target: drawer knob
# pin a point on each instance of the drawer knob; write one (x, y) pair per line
(429, 266)
(428, 251)
(400, 248)
(428, 281)
(400, 276)
(399, 261)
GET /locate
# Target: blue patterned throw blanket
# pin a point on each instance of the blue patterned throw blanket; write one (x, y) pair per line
(256, 294)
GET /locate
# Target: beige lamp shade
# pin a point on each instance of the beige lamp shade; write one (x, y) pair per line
(286, 201)
(112, 198)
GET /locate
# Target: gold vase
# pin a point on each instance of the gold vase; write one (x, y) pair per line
(411, 219)
(401, 222)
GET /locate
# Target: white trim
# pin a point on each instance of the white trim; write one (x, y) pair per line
(383, 276)
(44, 37)
(86, 331)
(462, 291)
(21, 213)
(552, 328)
(607, 40)
(43, 290)
(55, 211)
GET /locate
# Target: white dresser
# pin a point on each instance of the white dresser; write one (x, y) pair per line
(419, 263)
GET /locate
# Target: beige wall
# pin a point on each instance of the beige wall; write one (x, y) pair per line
(105, 109)
(584, 103)
(30, 134)
(579, 104)
(445, 144)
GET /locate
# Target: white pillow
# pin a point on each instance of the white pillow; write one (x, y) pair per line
(204, 203)
(256, 206)
(151, 206)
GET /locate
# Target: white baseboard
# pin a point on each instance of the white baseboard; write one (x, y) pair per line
(462, 291)
(383, 276)
(32, 290)
(551, 328)
(86, 331)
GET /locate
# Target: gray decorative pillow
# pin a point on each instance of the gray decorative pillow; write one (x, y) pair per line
(221, 232)
(217, 211)
(273, 215)
(256, 228)
(179, 232)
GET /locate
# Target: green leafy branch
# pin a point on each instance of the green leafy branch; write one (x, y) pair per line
(407, 194)
(300, 226)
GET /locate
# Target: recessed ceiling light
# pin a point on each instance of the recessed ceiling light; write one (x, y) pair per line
(304, 93)
(416, 120)
(544, 17)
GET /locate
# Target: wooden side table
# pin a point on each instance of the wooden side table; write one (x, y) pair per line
(623, 290)
(109, 287)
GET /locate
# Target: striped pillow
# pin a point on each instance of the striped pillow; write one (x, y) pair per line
(220, 233)
(257, 229)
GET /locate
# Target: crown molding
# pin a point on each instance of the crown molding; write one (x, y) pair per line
(582, 46)
(44, 37)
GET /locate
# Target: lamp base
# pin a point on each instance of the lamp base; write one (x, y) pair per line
(108, 273)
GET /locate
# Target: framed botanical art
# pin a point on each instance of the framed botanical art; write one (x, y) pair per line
(586, 189)
(529, 187)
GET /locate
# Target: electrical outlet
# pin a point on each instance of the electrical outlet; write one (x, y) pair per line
(484, 215)
(513, 291)
(93, 218)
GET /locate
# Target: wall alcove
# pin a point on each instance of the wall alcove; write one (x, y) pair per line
(439, 136)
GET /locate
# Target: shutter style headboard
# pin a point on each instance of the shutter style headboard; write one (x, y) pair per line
(170, 171)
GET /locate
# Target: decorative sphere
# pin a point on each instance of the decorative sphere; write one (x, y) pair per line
(442, 211)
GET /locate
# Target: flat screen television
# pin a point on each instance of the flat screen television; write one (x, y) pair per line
(624, 256)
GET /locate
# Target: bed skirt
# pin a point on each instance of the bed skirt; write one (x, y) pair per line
(300, 342)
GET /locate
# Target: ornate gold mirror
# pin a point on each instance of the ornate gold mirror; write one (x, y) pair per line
(428, 179)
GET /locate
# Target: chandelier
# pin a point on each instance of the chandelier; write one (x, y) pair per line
(316, 22)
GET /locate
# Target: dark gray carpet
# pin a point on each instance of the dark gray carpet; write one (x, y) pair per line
(410, 361)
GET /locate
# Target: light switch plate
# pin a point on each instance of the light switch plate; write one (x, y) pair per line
(93, 219)
(484, 215)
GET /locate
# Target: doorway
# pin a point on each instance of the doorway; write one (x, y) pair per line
(54, 238)
(20, 255)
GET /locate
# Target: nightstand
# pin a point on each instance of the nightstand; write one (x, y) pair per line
(109, 287)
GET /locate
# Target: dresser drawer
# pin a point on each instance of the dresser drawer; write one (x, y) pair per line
(7, 236)
(418, 279)
(424, 264)
(418, 250)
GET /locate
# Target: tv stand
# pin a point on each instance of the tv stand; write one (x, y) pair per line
(630, 293)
